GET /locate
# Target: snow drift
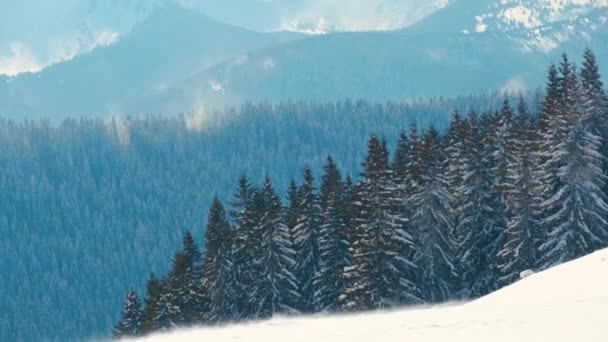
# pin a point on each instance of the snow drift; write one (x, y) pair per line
(566, 303)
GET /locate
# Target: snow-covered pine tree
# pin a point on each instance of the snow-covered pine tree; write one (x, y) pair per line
(381, 274)
(352, 297)
(290, 218)
(577, 222)
(168, 313)
(306, 241)
(242, 249)
(194, 298)
(522, 234)
(328, 280)
(405, 168)
(595, 104)
(476, 227)
(455, 140)
(594, 100)
(275, 286)
(219, 271)
(556, 127)
(131, 324)
(433, 221)
(504, 155)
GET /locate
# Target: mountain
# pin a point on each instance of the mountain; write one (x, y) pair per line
(536, 25)
(178, 60)
(171, 44)
(566, 303)
(468, 46)
(373, 65)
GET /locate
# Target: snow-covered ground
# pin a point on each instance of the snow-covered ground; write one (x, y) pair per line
(566, 303)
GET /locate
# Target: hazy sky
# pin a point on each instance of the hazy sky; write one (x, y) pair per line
(36, 33)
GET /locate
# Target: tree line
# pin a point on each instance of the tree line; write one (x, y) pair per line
(449, 216)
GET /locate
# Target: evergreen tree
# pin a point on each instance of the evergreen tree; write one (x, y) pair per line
(328, 280)
(131, 324)
(433, 219)
(192, 251)
(595, 105)
(456, 139)
(519, 251)
(306, 238)
(194, 298)
(275, 286)
(176, 303)
(167, 314)
(219, 271)
(504, 153)
(476, 226)
(242, 249)
(577, 222)
(381, 274)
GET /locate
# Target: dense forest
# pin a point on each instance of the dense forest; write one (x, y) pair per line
(449, 216)
(89, 207)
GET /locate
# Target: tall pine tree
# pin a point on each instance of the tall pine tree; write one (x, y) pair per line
(219, 270)
(522, 233)
(328, 280)
(306, 238)
(433, 220)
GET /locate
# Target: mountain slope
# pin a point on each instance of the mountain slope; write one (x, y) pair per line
(168, 46)
(372, 65)
(566, 303)
(469, 46)
(180, 61)
(537, 25)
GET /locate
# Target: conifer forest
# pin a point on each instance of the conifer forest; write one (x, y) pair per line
(451, 212)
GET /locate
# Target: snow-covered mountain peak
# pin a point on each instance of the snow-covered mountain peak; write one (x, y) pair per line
(538, 25)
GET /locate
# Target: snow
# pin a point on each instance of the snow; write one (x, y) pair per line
(566, 303)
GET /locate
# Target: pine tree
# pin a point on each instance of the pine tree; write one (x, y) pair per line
(381, 274)
(175, 306)
(476, 230)
(595, 105)
(191, 251)
(433, 220)
(504, 154)
(275, 286)
(166, 316)
(328, 280)
(577, 209)
(290, 218)
(522, 233)
(306, 238)
(131, 324)
(194, 298)
(219, 271)
(242, 249)
(456, 139)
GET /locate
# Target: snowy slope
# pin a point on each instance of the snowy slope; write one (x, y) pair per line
(537, 25)
(566, 303)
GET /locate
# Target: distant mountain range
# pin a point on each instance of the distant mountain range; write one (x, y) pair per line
(181, 61)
